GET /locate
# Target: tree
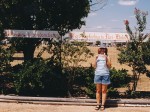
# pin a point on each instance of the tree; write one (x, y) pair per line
(60, 15)
(134, 54)
(98, 4)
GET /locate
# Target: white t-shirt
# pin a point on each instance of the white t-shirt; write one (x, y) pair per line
(101, 66)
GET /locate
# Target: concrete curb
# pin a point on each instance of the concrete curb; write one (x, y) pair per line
(73, 101)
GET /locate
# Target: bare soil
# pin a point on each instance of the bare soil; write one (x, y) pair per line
(21, 107)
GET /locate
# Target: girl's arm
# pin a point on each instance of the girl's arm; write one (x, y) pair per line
(108, 62)
(95, 64)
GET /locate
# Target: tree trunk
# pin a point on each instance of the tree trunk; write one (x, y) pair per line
(28, 52)
(135, 78)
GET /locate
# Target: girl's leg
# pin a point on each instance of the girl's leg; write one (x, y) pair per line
(104, 94)
(98, 93)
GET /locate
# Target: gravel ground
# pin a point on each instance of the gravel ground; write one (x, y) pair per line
(23, 107)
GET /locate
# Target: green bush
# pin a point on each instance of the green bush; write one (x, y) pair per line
(133, 94)
(119, 78)
(38, 78)
(6, 54)
(90, 86)
(77, 81)
(113, 93)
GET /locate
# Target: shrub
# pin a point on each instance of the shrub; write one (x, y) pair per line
(90, 86)
(113, 93)
(6, 54)
(38, 78)
(119, 78)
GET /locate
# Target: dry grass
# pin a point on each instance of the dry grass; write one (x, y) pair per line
(144, 81)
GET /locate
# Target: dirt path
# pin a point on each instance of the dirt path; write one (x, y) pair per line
(22, 107)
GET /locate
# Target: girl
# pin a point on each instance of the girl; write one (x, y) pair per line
(102, 76)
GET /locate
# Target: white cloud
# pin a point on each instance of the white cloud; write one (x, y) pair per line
(127, 2)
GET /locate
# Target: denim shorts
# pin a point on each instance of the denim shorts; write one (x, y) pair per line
(98, 79)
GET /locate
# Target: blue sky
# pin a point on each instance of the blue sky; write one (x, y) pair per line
(111, 17)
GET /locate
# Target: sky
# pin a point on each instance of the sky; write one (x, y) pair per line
(111, 17)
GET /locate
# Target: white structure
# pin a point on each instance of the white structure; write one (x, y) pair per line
(31, 34)
(98, 36)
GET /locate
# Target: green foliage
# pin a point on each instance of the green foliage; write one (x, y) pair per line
(38, 78)
(69, 58)
(146, 52)
(119, 78)
(74, 54)
(59, 15)
(77, 82)
(141, 25)
(134, 55)
(54, 53)
(90, 86)
(6, 54)
(132, 94)
(113, 93)
(146, 55)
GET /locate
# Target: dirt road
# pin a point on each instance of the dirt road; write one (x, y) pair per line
(23, 107)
